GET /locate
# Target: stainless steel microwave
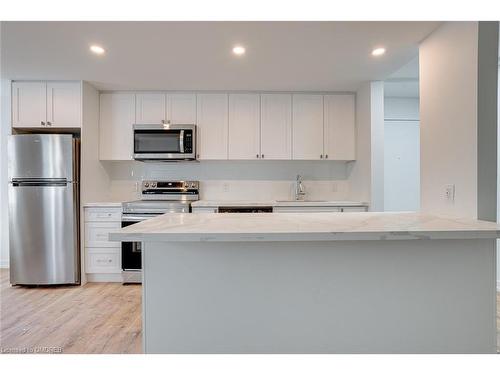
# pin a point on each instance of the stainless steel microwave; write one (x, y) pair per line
(164, 142)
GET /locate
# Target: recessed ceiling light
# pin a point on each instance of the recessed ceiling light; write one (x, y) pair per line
(378, 51)
(239, 50)
(98, 50)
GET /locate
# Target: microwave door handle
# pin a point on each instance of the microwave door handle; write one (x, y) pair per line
(181, 142)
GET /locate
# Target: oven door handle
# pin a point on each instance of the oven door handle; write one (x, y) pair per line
(129, 218)
(181, 142)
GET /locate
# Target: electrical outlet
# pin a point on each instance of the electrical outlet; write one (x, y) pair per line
(136, 186)
(449, 192)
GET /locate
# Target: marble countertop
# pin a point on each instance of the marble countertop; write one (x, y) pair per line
(276, 203)
(102, 204)
(200, 227)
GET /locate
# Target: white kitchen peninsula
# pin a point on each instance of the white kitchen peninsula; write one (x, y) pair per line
(317, 283)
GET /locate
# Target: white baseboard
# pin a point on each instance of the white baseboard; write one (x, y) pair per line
(104, 278)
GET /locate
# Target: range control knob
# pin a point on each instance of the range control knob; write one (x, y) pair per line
(146, 184)
(193, 185)
(153, 184)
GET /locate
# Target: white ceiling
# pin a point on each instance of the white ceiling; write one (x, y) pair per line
(284, 56)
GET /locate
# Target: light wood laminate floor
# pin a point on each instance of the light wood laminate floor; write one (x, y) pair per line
(95, 318)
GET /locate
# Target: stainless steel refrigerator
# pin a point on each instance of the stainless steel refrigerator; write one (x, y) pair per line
(44, 209)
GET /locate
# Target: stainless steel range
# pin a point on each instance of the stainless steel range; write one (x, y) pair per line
(157, 198)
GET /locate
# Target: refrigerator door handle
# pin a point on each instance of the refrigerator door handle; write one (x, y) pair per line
(34, 182)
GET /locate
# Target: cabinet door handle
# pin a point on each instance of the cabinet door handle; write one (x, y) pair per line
(42, 122)
(257, 156)
(321, 156)
(262, 156)
(49, 123)
(326, 156)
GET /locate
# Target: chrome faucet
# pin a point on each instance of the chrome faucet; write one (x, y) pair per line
(300, 192)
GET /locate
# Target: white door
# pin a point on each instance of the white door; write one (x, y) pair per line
(212, 130)
(340, 130)
(181, 108)
(29, 104)
(244, 126)
(307, 124)
(150, 108)
(276, 126)
(64, 104)
(117, 115)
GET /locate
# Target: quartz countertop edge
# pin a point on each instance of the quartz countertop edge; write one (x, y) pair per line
(276, 203)
(211, 227)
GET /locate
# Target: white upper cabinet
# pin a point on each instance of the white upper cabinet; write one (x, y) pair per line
(244, 126)
(64, 104)
(46, 104)
(117, 115)
(29, 104)
(181, 108)
(173, 108)
(307, 124)
(230, 126)
(276, 126)
(212, 130)
(150, 108)
(340, 127)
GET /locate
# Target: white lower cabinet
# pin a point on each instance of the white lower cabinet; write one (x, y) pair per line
(305, 209)
(354, 209)
(102, 257)
(298, 209)
(102, 261)
(97, 233)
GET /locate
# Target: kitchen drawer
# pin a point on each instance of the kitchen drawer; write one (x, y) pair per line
(103, 214)
(103, 260)
(97, 234)
(353, 209)
(305, 209)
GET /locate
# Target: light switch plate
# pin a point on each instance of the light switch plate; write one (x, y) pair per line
(449, 192)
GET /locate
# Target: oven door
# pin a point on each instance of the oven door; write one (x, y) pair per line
(131, 252)
(164, 142)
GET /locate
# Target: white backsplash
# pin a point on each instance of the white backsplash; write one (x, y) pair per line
(124, 190)
(236, 180)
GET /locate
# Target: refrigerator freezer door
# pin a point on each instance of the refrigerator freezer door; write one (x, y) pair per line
(43, 234)
(41, 156)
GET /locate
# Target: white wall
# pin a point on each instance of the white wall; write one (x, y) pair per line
(4, 206)
(401, 154)
(366, 174)
(448, 118)
(458, 63)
